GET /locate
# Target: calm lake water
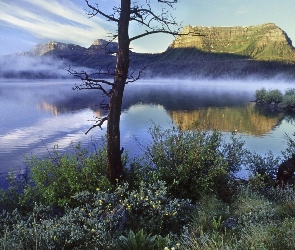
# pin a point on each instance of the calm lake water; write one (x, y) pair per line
(36, 115)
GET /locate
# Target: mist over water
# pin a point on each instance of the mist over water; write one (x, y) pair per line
(36, 115)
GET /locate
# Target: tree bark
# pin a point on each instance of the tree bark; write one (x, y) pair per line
(113, 128)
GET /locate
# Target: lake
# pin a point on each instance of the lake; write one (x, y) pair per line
(36, 115)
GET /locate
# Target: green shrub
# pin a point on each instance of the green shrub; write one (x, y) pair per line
(253, 208)
(289, 92)
(268, 97)
(260, 95)
(142, 241)
(84, 227)
(262, 170)
(152, 208)
(288, 102)
(58, 177)
(192, 163)
(275, 96)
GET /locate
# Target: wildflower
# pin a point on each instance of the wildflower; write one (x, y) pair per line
(54, 237)
(166, 248)
(92, 230)
(97, 189)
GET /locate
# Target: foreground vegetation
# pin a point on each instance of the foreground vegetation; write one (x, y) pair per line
(182, 194)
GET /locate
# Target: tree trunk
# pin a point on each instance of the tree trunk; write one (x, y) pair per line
(115, 166)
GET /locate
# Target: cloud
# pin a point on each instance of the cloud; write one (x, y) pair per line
(53, 20)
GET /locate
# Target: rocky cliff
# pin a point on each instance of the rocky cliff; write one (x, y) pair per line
(214, 52)
(261, 42)
(57, 48)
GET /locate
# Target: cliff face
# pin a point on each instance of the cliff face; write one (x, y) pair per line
(262, 42)
(236, 52)
(56, 47)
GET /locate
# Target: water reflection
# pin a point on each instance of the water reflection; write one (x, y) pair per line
(245, 119)
(41, 114)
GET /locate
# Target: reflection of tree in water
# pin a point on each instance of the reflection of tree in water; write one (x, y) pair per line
(245, 119)
(290, 118)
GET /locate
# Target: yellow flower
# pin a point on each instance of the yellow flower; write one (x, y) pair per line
(92, 230)
(97, 189)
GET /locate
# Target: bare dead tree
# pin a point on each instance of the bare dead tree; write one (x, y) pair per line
(142, 13)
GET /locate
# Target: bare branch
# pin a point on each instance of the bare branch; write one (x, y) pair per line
(165, 32)
(153, 32)
(168, 2)
(99, 123)
(133, 79)
(91, 83)
(96, 10)
(145, 16)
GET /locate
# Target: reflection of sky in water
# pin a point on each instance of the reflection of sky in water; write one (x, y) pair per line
(28, 129)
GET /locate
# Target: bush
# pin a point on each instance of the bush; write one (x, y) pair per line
(262, 170)
(151, 207)
(268, 97)
(58, 177)
(192, 163)
(142, 241)
(288, 102)
(260, 95)
(275, 96)
(289, 92)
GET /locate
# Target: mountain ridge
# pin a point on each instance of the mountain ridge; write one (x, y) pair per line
(237, 51)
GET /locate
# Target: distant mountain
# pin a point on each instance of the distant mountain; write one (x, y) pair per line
(261, 42)
(263, 50)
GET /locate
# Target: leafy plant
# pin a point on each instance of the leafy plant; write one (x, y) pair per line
(192, 163)
(58, 177)
(142, 241)
(151, 207)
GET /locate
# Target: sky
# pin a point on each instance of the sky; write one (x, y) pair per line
(26, 23)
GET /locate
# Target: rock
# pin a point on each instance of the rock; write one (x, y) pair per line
(264, 42)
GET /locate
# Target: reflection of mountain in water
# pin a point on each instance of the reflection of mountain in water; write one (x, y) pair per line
(246, 119)
(190, 106)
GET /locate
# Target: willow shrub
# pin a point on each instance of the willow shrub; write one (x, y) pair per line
(269, 96)
(193, 163)
(58, 177)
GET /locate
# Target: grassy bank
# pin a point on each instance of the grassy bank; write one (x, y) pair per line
(182, 194)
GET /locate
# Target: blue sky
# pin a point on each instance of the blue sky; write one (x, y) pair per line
(25, 23)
